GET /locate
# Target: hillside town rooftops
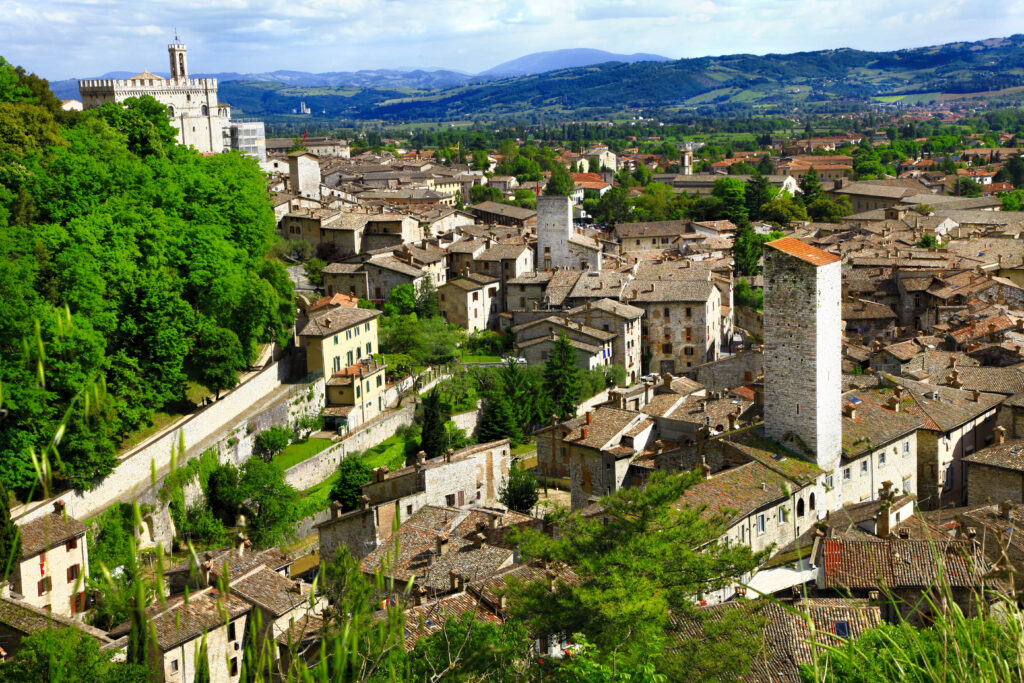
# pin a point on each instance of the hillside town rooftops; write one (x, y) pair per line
(803, 251)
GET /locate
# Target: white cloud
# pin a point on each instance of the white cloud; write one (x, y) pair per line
(63, 38)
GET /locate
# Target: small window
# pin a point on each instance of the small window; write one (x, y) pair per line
(174, 666)
(842, 629)
(73, 573)
(829, 482)
(369, 349)
(378, 380)
(908, 484)
(800, 508)
(44, 585)
(666, 313)
(863, 467)
(760, 524)
(336, 339)
(449, 500)
(231, 631)
(357, 331)
(846, 474)
(358, 387)
(234, 666)
(689, 312)
(881, 458)
(782, 515)
(72, 544)
(666, 348)
(408, 510)
(810, 502)
(366, 327)
(906, 448)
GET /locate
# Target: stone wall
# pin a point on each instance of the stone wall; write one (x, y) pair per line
(750, 320)
(729, 373)
(133, 474)
(314, 470)
(986, 485)
(468, 420)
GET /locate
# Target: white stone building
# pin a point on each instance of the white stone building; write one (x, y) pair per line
(201, 119)
(558, 244)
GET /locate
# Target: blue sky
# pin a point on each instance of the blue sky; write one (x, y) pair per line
(63, 39)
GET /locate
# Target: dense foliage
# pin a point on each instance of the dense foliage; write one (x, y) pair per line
(122, 258)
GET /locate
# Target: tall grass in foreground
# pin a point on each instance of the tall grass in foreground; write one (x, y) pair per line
(954, 648)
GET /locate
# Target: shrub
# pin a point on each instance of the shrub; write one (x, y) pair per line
(271, 442)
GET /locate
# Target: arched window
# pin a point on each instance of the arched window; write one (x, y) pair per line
(800, 508)
(170, 109)
(181, 65)
(188, 97)
(205, 110)
(810, 502)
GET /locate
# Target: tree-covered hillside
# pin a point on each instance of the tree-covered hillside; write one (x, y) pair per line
(605, 89)
(128, 266)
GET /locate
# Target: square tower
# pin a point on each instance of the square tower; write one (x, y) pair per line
(554, 228)
(803, 348)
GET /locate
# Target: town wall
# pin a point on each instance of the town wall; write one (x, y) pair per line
(987, 485)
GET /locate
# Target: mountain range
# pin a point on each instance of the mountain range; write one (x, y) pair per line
(419, 79)
(989, 69)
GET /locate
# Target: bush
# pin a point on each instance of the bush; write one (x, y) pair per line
(519, 491)
(270, 442)
(347, 490)
(745, 295)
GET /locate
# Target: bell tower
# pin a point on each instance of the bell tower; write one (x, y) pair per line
(179, 61)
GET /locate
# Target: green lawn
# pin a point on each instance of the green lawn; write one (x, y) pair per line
(467, 358)
(527, 447)
(299, 451)
(318, 497)
(390, 452)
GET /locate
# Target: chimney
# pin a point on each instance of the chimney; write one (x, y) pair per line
(876, 345)
(296, 587)
(733, 420)
(583, 433)
(442, 544)
(241, 543)
(1000, 434)
(493, 520)
(58, 507)
(705, 468)
(335, 510)
(893, 404)
(380, 473)
(364, 502)
(851, 411)
(952, 361)
(972, 532)
(418, 595)
(975, 395)
(456, 581)
(421, 460)
(590, 416)
(552, 580)
(1004, 510)
(647, 393)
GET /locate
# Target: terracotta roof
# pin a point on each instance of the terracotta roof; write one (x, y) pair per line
(898, 563)
(605, 424)
(47, 532)
(146, 76)
(875, 424)
(787, 640)
(803, 251)
(652, 229)
(344, 300)
(204, 611)
(237, 565)
(981, 328)
(738, 490)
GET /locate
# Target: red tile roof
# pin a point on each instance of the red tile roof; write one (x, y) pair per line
(804, 251)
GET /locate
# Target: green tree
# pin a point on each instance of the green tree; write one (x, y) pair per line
(642, 175)
(756, 194)
(68, 655)
(524, 394)
(967, 187)
(427, 302)
(401, 300)
(271, 441)
(783, 210)
(824, 210)
(145, 123)
(484, 193)
(347, 489)
(766, 166)
(746, 250)
(562, 379)
(613, 207)
(560, 182)
(270, 504)
(643, 559)
(810, 186)
(497, 421)
(432, 440)
(469, 648)
(10, 536)
(314, 270)
(519, 490)
(731, 192)
(479, 161)
(216, 358)
(928, 241)
(223, 493)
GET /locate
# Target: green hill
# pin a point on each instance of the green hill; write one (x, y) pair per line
(603, 90)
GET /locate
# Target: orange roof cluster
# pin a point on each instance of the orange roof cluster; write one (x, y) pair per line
(804, 251)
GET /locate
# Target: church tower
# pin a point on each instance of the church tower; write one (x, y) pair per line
(179, 60)
(554, 230)
(803, 349)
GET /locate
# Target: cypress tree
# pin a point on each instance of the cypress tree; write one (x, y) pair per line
(432, 437)
(10, 538)
(497, 420)
(562, 378)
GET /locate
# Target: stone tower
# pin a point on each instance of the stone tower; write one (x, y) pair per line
(554, 228)
(179, 60)
(803, 348)
(686, 162)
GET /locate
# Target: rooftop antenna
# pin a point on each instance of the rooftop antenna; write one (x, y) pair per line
(176, 39)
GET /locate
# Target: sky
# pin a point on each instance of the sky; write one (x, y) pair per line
(65, 39)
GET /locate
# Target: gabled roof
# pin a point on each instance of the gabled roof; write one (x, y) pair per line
(1008, 455)
(739, 490)
(336, 319)
(803, 251)
(270, 591)
(899, 563)
(47, 532)
(204, 612)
